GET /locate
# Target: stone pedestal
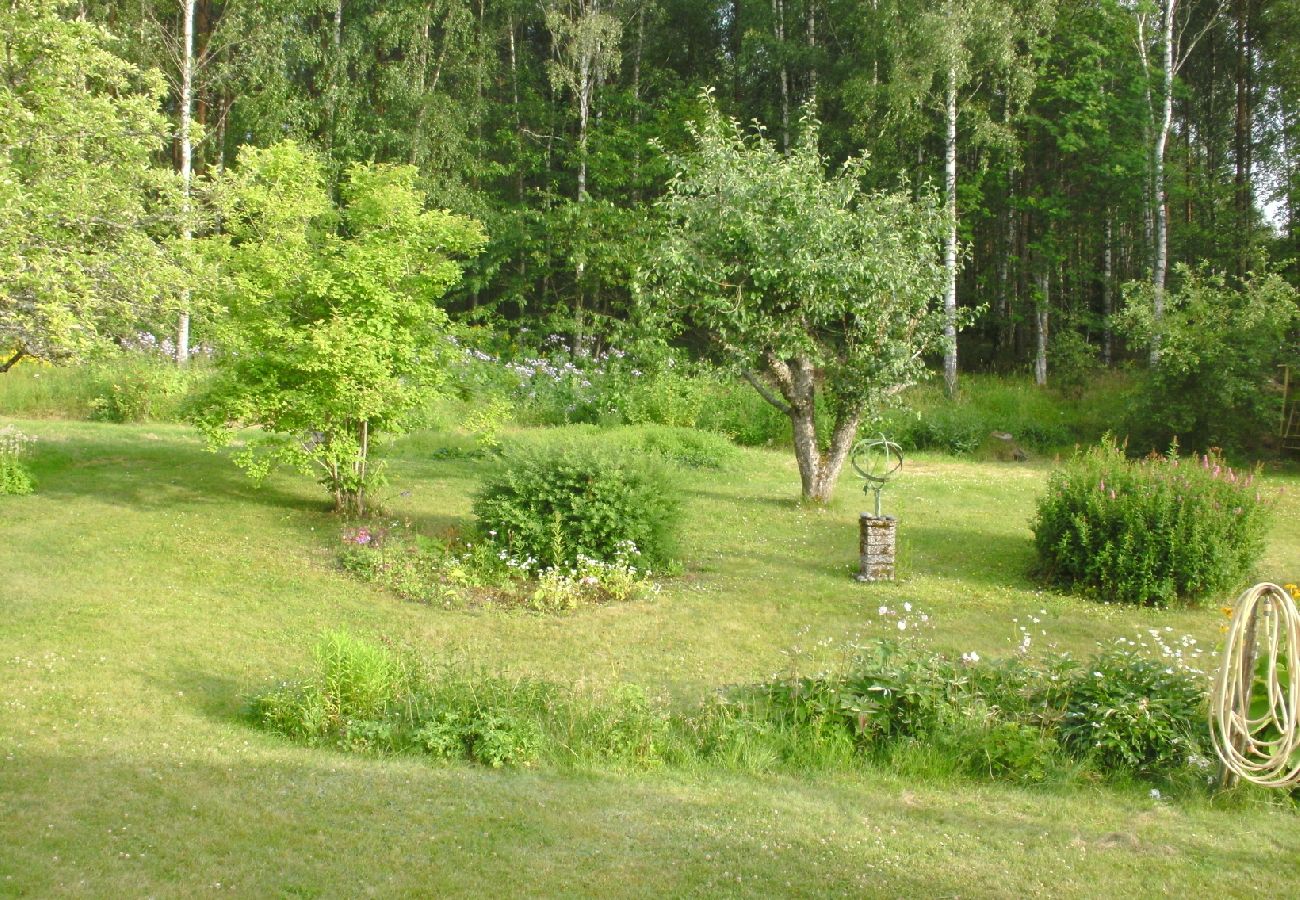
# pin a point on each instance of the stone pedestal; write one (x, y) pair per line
(877, 543)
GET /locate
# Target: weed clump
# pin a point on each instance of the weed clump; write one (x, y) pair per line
(894, 705)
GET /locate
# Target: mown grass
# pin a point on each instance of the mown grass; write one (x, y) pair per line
(147, 589)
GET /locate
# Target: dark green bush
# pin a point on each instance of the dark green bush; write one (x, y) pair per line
(556, 504)
(1132, 713)
(1220, 348)
(1149, 532)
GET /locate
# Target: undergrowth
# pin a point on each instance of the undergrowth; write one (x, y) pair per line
(894, 703)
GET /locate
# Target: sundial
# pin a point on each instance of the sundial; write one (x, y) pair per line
(877, 460)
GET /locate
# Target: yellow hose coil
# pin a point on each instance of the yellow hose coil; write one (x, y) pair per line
(1263, 637)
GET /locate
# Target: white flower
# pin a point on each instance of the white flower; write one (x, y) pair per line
(1155, 793)
(902, 624)
(971, 657)
(884, 610)
(907, 607)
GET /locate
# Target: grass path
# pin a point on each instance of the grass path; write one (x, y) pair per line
(147, 588)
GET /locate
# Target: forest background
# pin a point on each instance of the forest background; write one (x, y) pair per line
(1079, 144)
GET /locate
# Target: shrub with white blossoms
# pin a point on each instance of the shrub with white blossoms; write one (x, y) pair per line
(14, 475)
(461, 573)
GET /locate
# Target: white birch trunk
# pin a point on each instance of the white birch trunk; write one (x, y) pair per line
(1040, 322)
(950, 236)
(187, 170)
(1159, 272)
(778, 31)
(1107, 295)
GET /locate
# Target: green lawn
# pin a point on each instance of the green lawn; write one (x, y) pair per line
(147, 588)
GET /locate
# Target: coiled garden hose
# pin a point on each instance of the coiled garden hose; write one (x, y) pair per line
(1255, 704)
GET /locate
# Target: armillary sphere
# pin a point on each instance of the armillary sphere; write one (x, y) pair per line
(876, 460)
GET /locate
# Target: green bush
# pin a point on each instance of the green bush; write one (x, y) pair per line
(556, 505)
(899, 706)
(1149, 532)
(1132, 713)
(14, 477)
(1220, 347)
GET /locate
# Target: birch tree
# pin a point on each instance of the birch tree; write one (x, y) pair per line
(1164, 43)
(955, 52)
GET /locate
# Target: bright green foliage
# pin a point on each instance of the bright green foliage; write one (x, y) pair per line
(1215, 385)
(332, 334)
(557, 505)
(1129, 712)
(14, 477)
(1149, 532)
(808, 282)
(82, 207)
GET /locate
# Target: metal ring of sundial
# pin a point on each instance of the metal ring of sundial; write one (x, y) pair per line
(876, 460)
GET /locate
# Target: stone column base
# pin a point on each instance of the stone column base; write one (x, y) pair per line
(877, 546)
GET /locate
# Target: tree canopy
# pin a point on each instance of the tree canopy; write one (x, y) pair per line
(327, 314)
(808, 284)
(83, 209)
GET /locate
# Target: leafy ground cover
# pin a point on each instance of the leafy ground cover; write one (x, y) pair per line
(147, 589)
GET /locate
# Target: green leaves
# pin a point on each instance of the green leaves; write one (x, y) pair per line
(329, 317)
(1220, 348)
(83, 212)
(770, 257)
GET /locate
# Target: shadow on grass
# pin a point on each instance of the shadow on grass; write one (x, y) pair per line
(130, 468)
(304, 823)
(978, 556)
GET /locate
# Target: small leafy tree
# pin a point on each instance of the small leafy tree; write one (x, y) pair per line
(82, 206)
(331, 334)
(1220, 347)
(805, 284)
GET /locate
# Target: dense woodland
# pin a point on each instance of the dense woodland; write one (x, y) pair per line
(1079, 144)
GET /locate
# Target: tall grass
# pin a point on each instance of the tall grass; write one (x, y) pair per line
(1037, 418)
(124, 387)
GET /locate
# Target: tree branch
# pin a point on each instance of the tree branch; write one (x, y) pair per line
(765, 392)
(13, 360)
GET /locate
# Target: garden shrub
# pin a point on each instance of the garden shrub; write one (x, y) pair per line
(15, 479)
(1220, 348)
(897, 705)
(1136, 714)
(1149, 532)
(556, 505)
